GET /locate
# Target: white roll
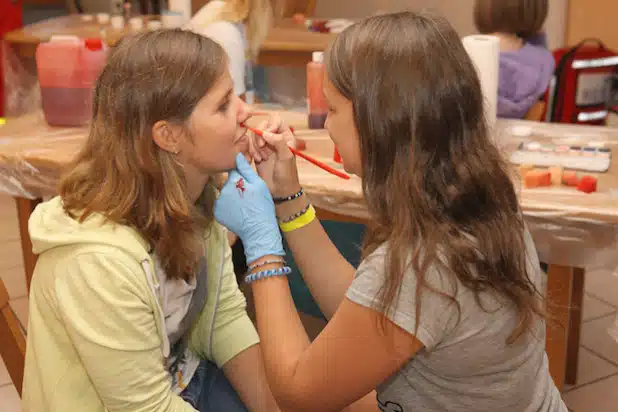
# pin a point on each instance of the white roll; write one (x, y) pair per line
(485, 54)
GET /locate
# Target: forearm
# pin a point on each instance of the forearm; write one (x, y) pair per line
(283, 337)
(326, 272)
(247, 375)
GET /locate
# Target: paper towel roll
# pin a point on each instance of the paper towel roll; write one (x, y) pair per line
(485, 53)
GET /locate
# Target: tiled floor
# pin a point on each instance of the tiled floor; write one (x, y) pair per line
(596, 390)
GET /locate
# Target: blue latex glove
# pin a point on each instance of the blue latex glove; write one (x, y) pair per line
(246, 207)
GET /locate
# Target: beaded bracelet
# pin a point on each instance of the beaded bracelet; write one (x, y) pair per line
(279, 200)
(295, 215)
(306, 216)
(282, 271)
(254, 266)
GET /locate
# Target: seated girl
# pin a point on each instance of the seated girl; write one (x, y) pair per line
(134, 304)
(526, 66)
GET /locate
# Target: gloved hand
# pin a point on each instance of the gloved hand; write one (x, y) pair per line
(246, 208)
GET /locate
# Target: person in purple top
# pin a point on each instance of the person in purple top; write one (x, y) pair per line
(526, 66)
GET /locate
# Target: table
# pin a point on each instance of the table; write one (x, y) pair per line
(573, 230)
(287, 44)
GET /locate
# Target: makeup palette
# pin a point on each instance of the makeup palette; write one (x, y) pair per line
(592, 157)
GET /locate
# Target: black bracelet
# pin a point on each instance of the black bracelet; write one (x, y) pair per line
(279, 200)
(296, 215)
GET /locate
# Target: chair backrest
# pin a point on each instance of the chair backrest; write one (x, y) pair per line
(12, 340)
(536, 112)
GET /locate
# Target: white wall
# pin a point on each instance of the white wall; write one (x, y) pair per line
(459, 13)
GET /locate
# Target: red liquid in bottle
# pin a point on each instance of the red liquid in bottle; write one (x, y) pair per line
(67, 68)
(65, 106)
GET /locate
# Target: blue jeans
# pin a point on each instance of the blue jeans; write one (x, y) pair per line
(210, 391)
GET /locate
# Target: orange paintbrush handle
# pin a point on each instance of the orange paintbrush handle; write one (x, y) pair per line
(319, 164)
(308, 158)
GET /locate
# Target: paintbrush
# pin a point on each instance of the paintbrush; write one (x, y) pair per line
(308, 158)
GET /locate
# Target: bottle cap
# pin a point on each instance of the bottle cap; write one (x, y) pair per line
(317, 57)
(93, 44)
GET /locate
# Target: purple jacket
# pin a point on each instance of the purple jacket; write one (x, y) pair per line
(523, 78)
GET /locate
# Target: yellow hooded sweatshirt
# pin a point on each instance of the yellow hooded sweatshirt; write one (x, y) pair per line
(96, 333)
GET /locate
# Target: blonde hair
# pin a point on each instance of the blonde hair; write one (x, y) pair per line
(525, 18)
(257, 15)
(121, 173)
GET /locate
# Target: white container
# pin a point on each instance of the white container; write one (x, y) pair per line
(172, 20)
(181, 6)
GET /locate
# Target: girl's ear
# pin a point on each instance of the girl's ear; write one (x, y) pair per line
(166, 136)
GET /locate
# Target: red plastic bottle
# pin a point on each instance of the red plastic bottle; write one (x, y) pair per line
(68, 68)
(318, 108)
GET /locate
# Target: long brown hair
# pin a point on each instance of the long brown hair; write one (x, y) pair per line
(436, 187)
(121, 173)
(524, 18)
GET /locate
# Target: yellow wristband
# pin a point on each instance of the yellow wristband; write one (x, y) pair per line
(300, 221)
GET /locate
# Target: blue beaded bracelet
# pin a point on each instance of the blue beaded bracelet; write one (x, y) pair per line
(282, 271)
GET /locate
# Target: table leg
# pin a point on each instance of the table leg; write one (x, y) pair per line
(575, 324)
(25, 207)
(559, 279)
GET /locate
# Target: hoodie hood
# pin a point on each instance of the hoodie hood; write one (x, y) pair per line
(524, 77)
(50, 227)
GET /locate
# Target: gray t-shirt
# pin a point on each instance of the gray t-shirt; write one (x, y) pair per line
(466, 364)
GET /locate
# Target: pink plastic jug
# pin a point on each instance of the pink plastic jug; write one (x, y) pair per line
(68, 68)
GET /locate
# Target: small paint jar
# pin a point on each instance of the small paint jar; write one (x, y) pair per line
(603, 152)
(589, 151)
(533, 146)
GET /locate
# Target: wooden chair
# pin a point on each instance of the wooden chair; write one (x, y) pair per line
(12, 340)
(536, 112)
